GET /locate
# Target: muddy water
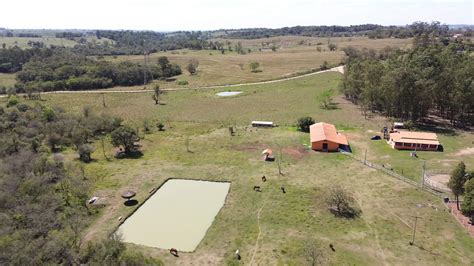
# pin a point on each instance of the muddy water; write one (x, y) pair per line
(177, 215)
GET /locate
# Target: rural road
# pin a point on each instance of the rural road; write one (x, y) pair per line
(339, 69)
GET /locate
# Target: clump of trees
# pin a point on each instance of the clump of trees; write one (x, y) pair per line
(125, 138)
(67, 71)
(304, 123)
(461, 183)
(410, 84)
(43, 195)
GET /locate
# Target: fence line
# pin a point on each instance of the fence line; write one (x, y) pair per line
(394, 174)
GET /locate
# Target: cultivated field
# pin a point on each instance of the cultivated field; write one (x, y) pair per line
(286, 221)
(290, 58)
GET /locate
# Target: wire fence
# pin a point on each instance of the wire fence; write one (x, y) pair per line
(426, 187)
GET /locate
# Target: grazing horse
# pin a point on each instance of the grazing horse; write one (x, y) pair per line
(264, 179)
(174, 252)
(257, 188)
(283, 189)
(332, 247)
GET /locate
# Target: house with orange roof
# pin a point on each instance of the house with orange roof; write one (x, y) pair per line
(411, 140)
(324, 137)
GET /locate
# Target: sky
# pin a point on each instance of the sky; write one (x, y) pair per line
(171, 15)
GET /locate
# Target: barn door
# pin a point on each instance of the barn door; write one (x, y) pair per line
(325, 147)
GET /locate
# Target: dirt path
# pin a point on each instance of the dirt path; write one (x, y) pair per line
(374, 231)
(259, 233)
(339, 69)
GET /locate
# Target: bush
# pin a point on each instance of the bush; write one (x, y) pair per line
(12, 101)
(304, 123)
(85, 151)
(182, 82)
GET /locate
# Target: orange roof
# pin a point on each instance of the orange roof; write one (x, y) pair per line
(324, 131)
(415, 137)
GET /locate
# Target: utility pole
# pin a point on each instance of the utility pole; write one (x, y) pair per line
(414, 231)
(423, 174)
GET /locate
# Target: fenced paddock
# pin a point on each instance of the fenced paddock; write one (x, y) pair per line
(407, 180)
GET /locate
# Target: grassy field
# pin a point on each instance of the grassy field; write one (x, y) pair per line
(7, 80)
(22, 42)
(291, 57)
(287, 221)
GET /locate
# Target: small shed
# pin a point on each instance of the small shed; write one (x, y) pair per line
(262, 124)
(324, 137)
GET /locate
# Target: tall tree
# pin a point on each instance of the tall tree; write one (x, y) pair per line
(457, 180)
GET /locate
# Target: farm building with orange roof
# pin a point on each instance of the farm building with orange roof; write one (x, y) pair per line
(324, 137)
(409, 140)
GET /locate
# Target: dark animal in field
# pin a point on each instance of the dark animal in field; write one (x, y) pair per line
(257, 188)
(332, 247)
(237, 255)
(283, 190)
(174, 252)
(264, 179)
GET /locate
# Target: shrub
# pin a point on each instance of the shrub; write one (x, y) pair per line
(304, 123)
(182, 82)
(85, 151)
(12, 101)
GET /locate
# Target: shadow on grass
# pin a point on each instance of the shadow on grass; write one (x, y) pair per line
(348, 212)
(440, 127)
(130, 203)
(129, 155)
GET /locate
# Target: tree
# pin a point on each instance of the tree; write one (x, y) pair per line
(125, 137)
(304, 123)
(325, 98)
(192, 66)
(254, 66)
(156, 93)
(332, 47)
(313, 252)
(85, 151)
(457, 180)
(324, 65)
(467, 206)
(340, 202)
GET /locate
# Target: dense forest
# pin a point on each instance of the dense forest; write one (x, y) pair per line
(434, 76)
(43, 196)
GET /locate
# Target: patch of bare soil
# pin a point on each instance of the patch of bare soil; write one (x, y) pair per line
(440, 178)
(466, 151)
(251, 147)
(295, 152)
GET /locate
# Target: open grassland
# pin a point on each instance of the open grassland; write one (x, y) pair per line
(310, 43)
(7, 80)
(291, 57)
(287, 221)
(22, 42)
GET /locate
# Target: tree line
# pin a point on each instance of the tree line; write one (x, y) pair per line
(43, 196)
(372, 31)
(410, 84)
